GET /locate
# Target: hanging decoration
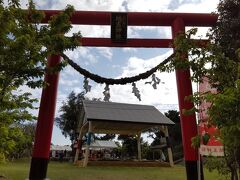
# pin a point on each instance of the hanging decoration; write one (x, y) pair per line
(136, 91)
(155, 81)
(106, 93)
(86, 86)
(98, 79)
(163, 66)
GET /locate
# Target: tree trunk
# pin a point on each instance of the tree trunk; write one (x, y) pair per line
(235, 174)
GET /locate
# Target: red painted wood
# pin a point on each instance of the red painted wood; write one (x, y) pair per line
(138, 43)
(45, 121)
(134, 43)
(184, 87)
(137, 18)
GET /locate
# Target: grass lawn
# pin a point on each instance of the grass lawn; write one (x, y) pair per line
(65, 171)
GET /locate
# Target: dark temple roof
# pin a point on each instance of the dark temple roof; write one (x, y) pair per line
(124, 113)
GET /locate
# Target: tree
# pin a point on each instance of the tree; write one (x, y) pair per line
(219, 62)
(174, 134)
(24, 141)
(174, 131)
(156, 134)
(106, 137)
(69, 119)
(24, 48)
(129, 145)
(25, 45)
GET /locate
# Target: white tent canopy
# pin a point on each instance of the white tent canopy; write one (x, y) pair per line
(60, 148)
(101, 144)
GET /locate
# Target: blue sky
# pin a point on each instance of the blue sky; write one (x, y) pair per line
(121, 62)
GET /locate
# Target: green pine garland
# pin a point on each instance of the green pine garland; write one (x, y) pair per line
(121, 81)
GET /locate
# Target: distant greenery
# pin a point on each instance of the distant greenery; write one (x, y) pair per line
(129, 143)
(68, 121)
(70, 113)
(174, 134)
(129, 146)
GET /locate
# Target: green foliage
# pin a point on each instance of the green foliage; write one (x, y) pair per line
(8, 138)
(196, 141)
(146, 151)
(174, 131)
(205, 138)
(129, 145)
(219, 164)
(106, 137)
(175, 134)
(173, 115)
(219, 62)
(224, 113)
(2, 157)
(25, 44)
(24, 48)
(69, 119)
(24, 142)
(156, 134)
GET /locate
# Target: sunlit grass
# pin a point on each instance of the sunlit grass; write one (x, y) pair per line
(66, 171)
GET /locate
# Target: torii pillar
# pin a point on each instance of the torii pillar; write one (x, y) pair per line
(43, 135)
(188, 122)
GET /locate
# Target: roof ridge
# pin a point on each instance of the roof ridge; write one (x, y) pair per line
(115, 103)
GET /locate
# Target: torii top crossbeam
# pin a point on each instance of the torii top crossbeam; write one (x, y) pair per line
(134, 19)
(138, 18)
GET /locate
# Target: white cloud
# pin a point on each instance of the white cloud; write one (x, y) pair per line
(68, 82)
(148, 5)
(106, 52)
(133, 5)
(93, 31)
(77, 90)
(58, 138)
(99, 5)
(204, 7)
(136, 65)
(83, 55)
(89, 55)
(149, 32)
(61, 97)
(129, 50)
(165, 94)
(68, 72)
(174, 4)
(132, 33)
(201, 32)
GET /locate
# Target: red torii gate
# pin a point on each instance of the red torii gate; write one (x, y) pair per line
(177, 21)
